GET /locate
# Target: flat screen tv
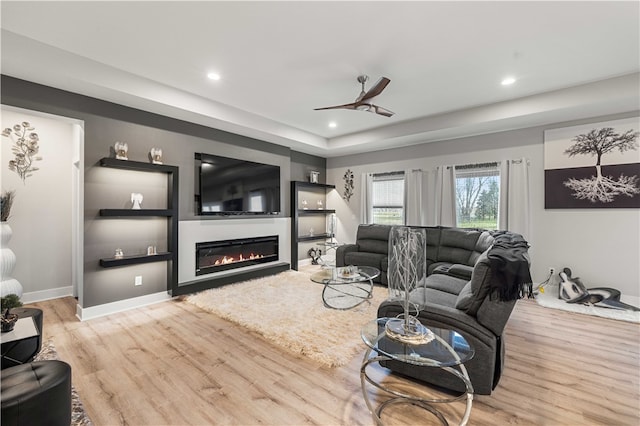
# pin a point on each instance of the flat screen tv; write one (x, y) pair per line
(228, 186)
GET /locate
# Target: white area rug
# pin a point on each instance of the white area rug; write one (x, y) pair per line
(287, 310)
(549, 299)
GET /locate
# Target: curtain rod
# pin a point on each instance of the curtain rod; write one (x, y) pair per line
(477, 166)
(387, 174)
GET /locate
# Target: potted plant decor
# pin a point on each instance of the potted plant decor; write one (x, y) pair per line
(8, 319)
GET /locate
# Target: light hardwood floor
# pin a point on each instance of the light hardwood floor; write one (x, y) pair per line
(172, 363)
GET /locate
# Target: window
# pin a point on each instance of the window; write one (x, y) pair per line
(388, 198)
(477, 195)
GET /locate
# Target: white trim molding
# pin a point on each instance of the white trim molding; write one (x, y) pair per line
(84, 314)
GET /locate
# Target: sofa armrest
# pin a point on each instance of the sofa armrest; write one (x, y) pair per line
(457, 270)
(342, 250)
(443, 317)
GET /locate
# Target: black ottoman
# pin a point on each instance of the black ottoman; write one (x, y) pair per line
(38, 393)
(25, 350)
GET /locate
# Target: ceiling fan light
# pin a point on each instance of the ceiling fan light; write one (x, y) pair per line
(364, 107)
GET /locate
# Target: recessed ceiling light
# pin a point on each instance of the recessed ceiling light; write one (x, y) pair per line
(333, 124)
(508, 81)
(214, 76)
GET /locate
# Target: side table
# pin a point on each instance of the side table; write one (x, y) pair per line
(18, 351)
(444, 349)
(24, 330)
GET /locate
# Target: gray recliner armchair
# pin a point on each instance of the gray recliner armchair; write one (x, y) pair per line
(477, 308)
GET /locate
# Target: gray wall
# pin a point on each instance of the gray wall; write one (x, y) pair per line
(106, 123)
(40, 215)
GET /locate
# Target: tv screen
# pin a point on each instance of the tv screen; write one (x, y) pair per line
(231, 186)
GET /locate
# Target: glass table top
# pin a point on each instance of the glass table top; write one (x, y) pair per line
(339, 275)
(446, 349)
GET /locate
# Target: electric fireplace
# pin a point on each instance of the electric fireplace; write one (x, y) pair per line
(215, 256)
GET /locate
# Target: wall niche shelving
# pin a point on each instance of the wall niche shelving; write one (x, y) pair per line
(311, 193)
(170, 214)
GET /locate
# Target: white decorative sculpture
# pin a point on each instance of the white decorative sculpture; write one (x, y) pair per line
(136, 199)
(406, 272)
(122, 150)
(156, 155)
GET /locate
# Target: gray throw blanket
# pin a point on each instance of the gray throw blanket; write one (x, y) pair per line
(509, 261)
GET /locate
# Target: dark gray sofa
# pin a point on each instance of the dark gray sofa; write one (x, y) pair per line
(461, 292)
(445, 247)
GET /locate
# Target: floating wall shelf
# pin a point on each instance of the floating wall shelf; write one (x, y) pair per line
(136, 213)
(170, 213)
(134, 260)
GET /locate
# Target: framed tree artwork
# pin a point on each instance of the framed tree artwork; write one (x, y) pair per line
(593, 166)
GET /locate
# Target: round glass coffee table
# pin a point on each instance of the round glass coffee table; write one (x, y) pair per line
(345, 287)
(444, 349)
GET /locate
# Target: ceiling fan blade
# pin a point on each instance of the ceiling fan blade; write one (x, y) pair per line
(345, 106)
(376, 89)
(382, 111)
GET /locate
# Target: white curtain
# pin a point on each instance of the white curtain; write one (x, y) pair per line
(415, 197)
(366, 207)
(440, 202)
(515, 203)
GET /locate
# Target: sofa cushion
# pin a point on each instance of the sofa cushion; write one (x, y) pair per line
(456, 245)
(485, 240)
(424, 295)
(445, 283)
(433, 242)
(465, 298)
(358, 258)
(373, 238)
(373, 232)
(476, 290)
(373, 246)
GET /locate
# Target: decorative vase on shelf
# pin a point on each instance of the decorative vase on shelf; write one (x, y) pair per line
(8, 285)
(407, 272)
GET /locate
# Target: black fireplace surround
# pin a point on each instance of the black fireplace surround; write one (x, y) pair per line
(216, 256)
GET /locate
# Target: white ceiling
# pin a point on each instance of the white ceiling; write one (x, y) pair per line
(280, 60)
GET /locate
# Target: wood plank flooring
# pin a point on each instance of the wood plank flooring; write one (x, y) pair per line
(174, 364)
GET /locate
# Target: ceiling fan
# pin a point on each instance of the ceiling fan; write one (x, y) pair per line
(361, 103)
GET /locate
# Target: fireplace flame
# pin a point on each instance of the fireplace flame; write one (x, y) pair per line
(230, 259)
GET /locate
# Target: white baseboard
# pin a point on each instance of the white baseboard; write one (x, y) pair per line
(53, 293)
(84, 314)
